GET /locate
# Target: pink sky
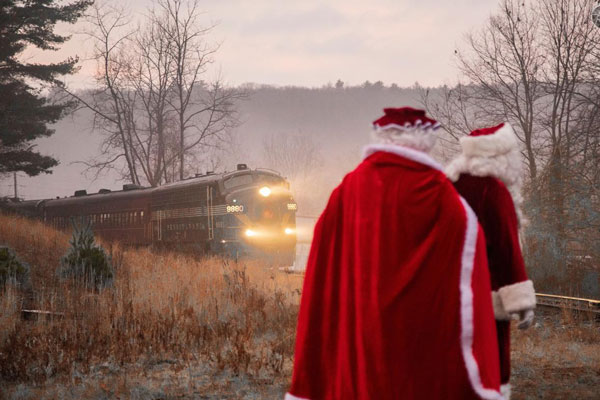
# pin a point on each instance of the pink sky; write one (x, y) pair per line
(311, 43)
(302, 43)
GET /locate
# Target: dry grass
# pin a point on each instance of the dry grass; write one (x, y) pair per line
(233, 317)
(176, 327)
(558, 358)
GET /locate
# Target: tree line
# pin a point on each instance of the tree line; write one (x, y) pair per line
(535, 65)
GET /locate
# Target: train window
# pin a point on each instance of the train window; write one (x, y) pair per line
(238, 180)
(269, 179)
(141, 215)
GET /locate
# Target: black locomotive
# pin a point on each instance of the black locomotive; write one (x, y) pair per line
(244, 213)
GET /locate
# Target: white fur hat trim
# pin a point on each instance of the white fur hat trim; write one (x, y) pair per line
(500, 142)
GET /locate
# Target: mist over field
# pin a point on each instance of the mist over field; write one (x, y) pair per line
(317, 133)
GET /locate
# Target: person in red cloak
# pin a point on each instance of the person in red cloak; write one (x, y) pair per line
(488, 175)
(395, 303)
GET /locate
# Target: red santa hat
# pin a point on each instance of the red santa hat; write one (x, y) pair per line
(492, 151)
(489, 142)
(406, 126)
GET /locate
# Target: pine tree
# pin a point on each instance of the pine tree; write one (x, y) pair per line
(24, 111)
(11, 268)
(86, 262)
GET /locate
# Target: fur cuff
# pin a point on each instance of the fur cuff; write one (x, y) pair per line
(499, 312)
(505, 391)
(518, 297)
(502, 141)
(289, 396)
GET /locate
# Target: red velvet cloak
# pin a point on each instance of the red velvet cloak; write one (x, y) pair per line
(396, 299)
(492, 203)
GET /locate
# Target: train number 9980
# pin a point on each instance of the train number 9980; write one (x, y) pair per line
(235, 209)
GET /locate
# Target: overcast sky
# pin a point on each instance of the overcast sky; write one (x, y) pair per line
(311, 43)
(302, 43)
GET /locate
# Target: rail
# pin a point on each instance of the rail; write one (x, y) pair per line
(573, 303)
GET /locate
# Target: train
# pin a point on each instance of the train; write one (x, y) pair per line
(244, 213)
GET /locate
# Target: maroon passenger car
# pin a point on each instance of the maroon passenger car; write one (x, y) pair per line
(243, 213)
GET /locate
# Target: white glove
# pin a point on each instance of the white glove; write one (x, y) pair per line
(525, 318)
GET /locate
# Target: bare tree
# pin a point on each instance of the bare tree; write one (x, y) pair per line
(296, 156)
(300, 160)
(204, 111)
(450, 107)
(503, 62)
(111, 103)
(534, 65)
(152, 102)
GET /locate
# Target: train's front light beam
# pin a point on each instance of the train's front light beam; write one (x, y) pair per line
(250, 233)
(265, 191)
(289, 231)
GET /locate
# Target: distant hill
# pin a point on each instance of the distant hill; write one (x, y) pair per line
(335, 119)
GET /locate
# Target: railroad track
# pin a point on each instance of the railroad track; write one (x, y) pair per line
(572, 303)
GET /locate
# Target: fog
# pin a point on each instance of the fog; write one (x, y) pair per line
(311, 136)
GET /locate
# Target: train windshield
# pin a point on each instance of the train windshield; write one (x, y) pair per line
(238, 180)
(268, 179)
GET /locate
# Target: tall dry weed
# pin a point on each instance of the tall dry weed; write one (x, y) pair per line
(239, 316)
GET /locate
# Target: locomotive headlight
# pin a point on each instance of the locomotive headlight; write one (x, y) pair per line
(265, 191)
(289, 231)
(250, 233)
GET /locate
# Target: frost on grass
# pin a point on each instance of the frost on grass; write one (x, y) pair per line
(235, 319)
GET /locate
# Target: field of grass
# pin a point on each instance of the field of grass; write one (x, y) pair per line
(177, 327)
(169, 318)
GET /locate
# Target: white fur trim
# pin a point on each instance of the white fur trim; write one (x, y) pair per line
(466, 305)
(500, 142)
(505, 390)
(408, 127)
(411, 154)
(289, 396)
(414, 137)
(499, 312)
(518, 297)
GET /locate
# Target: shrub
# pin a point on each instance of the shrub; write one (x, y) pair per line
(85, 261)
(12, 268)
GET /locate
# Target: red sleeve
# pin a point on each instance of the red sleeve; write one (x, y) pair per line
(502, 236)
